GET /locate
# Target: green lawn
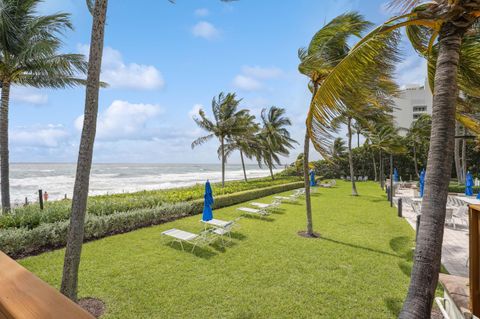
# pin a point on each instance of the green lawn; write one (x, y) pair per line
(359, 269)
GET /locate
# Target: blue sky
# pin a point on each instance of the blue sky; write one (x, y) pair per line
(164, 61)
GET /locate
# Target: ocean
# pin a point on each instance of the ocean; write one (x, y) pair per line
(58, 179)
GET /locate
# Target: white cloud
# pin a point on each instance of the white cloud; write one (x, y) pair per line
(250, 79)
(118, 74)
(202, 12)
(247, 83)
(413, 70)
(261, 73)
(29, 96)
(205, 30)
(49, 136)
(194, 111)
(124, 120)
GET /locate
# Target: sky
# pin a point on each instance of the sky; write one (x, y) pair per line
(164, 61)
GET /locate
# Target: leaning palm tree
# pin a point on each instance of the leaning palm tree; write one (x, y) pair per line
(29, 56)
(245, 142)
(82, 178)
(327, 47)
(446, 33)
(274, 137)
(228, 122)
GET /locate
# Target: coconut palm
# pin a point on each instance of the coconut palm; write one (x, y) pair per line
(228, 122)
(419, 134)
(82, 178)
(29, 56)
(245, 142)
(446, 33)
(327, 47)
(274, 138)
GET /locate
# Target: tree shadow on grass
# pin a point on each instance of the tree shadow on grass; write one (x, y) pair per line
(361, 247)
(402, 245)
(374, 199)
(200, 252)
(262, 218)
(238, 236)
(394, 305)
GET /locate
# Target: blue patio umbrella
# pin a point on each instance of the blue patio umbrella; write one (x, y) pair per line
(469, 184)
(313, 182)
(207, 203)
(422, 182)
(395, 175)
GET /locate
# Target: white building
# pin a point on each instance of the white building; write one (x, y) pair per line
(414, 101)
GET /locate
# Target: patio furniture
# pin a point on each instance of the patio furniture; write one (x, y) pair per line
(220, 227)
(254, 211)
(286, 198)
(270, 206)
(449, 219)
(182, 236)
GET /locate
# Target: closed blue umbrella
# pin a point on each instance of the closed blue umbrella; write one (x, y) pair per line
(422, 182)
(207, 203)
(469, 184)
(312, 178)
(395, 175)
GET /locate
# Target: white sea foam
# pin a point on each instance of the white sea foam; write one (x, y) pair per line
(58, 179)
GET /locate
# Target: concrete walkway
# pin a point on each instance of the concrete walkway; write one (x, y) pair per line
(455, 241)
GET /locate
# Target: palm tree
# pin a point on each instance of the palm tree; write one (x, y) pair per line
(327, 47)
(446, 33)
(82, 178)
(228, 122)
(245, 142)
(274, 137)
(418, 134)
(29, 56)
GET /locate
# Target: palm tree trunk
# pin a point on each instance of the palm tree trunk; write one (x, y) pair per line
(424, 277)
(271, 171)
(80, 192)
(222, 142)
(358, 139)
(308, 203)
(415, 160)
(350, 157)
(382, 180)
(458, 164)
(464, 156)
(4, 156)
(243, 166)
(375, 168)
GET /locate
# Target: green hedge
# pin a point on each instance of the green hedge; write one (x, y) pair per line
(461, 189)
(20, 242)
(31, 216)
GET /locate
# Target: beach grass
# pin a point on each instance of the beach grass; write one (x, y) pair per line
(359, 268)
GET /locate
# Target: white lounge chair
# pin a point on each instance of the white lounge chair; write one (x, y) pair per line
(254, 211)
(221, 227)
(270, 206)
(182, 236)
(286, 198)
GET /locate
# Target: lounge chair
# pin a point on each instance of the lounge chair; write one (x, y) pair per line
(220, 227)
(182, 236)
(270, 206)
(254, 211)
(286, 198)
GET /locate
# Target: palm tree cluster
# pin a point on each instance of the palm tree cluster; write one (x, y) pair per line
(236, 130)
(446, 33)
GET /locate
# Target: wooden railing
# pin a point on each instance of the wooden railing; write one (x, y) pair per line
(23, 295)
(474, 222)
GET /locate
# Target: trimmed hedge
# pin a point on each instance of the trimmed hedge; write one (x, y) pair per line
(21, 242)
(461, 189)
(31, 216)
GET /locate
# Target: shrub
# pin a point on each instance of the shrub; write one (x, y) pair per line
(19, 242)
(461, 189)
(31, 216)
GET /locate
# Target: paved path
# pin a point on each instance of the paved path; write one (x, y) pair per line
(455, 241)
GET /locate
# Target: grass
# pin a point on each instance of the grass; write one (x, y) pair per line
(358, 269)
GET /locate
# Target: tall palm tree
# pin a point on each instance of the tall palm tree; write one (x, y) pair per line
(419, 134)
(228, 122)
(246, 142)
(327, 47)
(82, 178)
(274, 137)
(29, 56)
(446, 33)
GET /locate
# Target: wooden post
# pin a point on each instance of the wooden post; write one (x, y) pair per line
(474, 224)
(417, 227)
(400, 207)
(40, 198)
(26, 201)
